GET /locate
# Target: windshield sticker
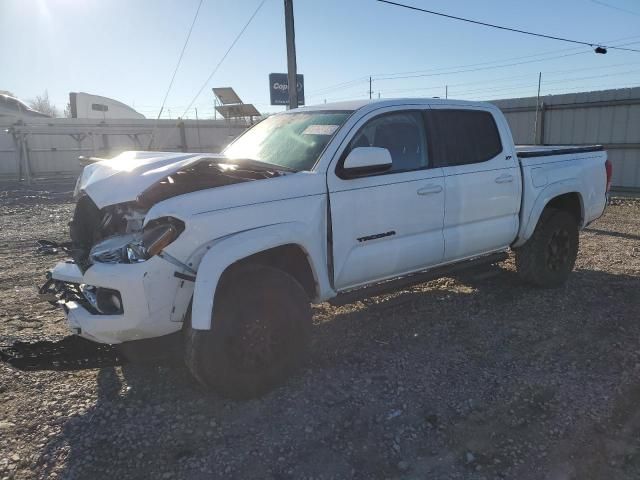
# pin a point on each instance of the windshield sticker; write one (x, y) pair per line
(320, 130)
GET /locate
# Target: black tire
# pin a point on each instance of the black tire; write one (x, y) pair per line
(548, 257)
(260, 333)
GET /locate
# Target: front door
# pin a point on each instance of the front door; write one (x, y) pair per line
(387, 224)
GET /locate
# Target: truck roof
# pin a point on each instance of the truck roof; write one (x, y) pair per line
(353, 105)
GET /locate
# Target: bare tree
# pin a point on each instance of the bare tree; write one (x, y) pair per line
(67, 110)
(43, 105)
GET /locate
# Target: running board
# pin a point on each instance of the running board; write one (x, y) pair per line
(351, 296)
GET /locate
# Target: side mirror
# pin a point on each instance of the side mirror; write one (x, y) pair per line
(364, 160)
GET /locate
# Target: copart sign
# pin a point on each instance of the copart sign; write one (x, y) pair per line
(279, 89)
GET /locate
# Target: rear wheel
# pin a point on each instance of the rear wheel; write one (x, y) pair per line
(550, 254)
(259, 334)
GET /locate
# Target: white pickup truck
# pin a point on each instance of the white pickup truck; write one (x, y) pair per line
(332, 202)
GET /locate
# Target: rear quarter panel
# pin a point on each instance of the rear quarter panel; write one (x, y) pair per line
(545, 178)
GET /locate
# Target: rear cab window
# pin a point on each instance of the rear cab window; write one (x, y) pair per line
(462, 137)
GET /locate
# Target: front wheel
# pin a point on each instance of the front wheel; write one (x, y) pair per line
(550, 254)
(259, 333)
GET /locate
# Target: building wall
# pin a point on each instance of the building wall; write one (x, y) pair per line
(607, 117)
(48, 147)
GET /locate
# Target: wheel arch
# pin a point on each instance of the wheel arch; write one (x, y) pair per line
(570, 202)
(290, 258)
(562, 196)
(284, 246)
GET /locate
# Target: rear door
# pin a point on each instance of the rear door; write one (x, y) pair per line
(387, 224)
(482, 180)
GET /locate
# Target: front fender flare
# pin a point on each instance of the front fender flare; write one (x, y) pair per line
(229, 249)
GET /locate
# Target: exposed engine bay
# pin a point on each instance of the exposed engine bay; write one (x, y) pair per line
(114, 234)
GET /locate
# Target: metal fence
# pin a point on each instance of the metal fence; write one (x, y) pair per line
(608, 117)
(50, 147)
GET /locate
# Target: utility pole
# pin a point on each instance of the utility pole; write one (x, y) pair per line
(292, 73)
(370, 90)
(535, 125)
(446, 91)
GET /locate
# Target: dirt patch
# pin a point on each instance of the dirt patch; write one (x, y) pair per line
(474, 377)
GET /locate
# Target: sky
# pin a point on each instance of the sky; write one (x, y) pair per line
(128, 49)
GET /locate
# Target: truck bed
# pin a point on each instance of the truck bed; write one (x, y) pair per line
(528, 151)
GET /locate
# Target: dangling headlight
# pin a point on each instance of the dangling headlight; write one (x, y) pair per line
(138, 247)
(152, 242)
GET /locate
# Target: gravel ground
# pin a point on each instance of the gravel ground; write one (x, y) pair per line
(478, 377)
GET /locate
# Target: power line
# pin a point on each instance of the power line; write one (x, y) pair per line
(519, 57)
(554, 57)
(184, 47)
(601, 85)
(439, 71)
(564, 80)
(342, 84)
(489, 91)
(620, 9)
(469, 70)
(215, 69)
(501, 27)
(531, 84)
(353, 82)
(551, 73)
(567, 90)
(491, 67)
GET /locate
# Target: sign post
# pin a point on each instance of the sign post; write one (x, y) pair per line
(279, 89)
(291, 52)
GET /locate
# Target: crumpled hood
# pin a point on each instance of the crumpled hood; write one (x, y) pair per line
(124, 177)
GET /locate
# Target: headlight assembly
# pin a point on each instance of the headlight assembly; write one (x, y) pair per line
(138, 247)
(152, 242)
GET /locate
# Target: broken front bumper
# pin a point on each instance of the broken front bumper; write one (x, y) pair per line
(147, 292)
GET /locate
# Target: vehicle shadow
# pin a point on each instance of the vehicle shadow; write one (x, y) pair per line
(369, 360)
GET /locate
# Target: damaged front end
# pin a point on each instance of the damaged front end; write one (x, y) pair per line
(96, 300)
(115, 234)
(92, 226)
(120, 284)
(111, 235)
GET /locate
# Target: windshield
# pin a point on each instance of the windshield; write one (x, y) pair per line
(292, 140)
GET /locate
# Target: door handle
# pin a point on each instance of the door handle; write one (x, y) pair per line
(506, 178)
(429, 189)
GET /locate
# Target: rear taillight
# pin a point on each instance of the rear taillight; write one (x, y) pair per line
(609, 168)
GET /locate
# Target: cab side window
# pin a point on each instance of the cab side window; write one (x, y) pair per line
(401, 133)
(462, 137)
